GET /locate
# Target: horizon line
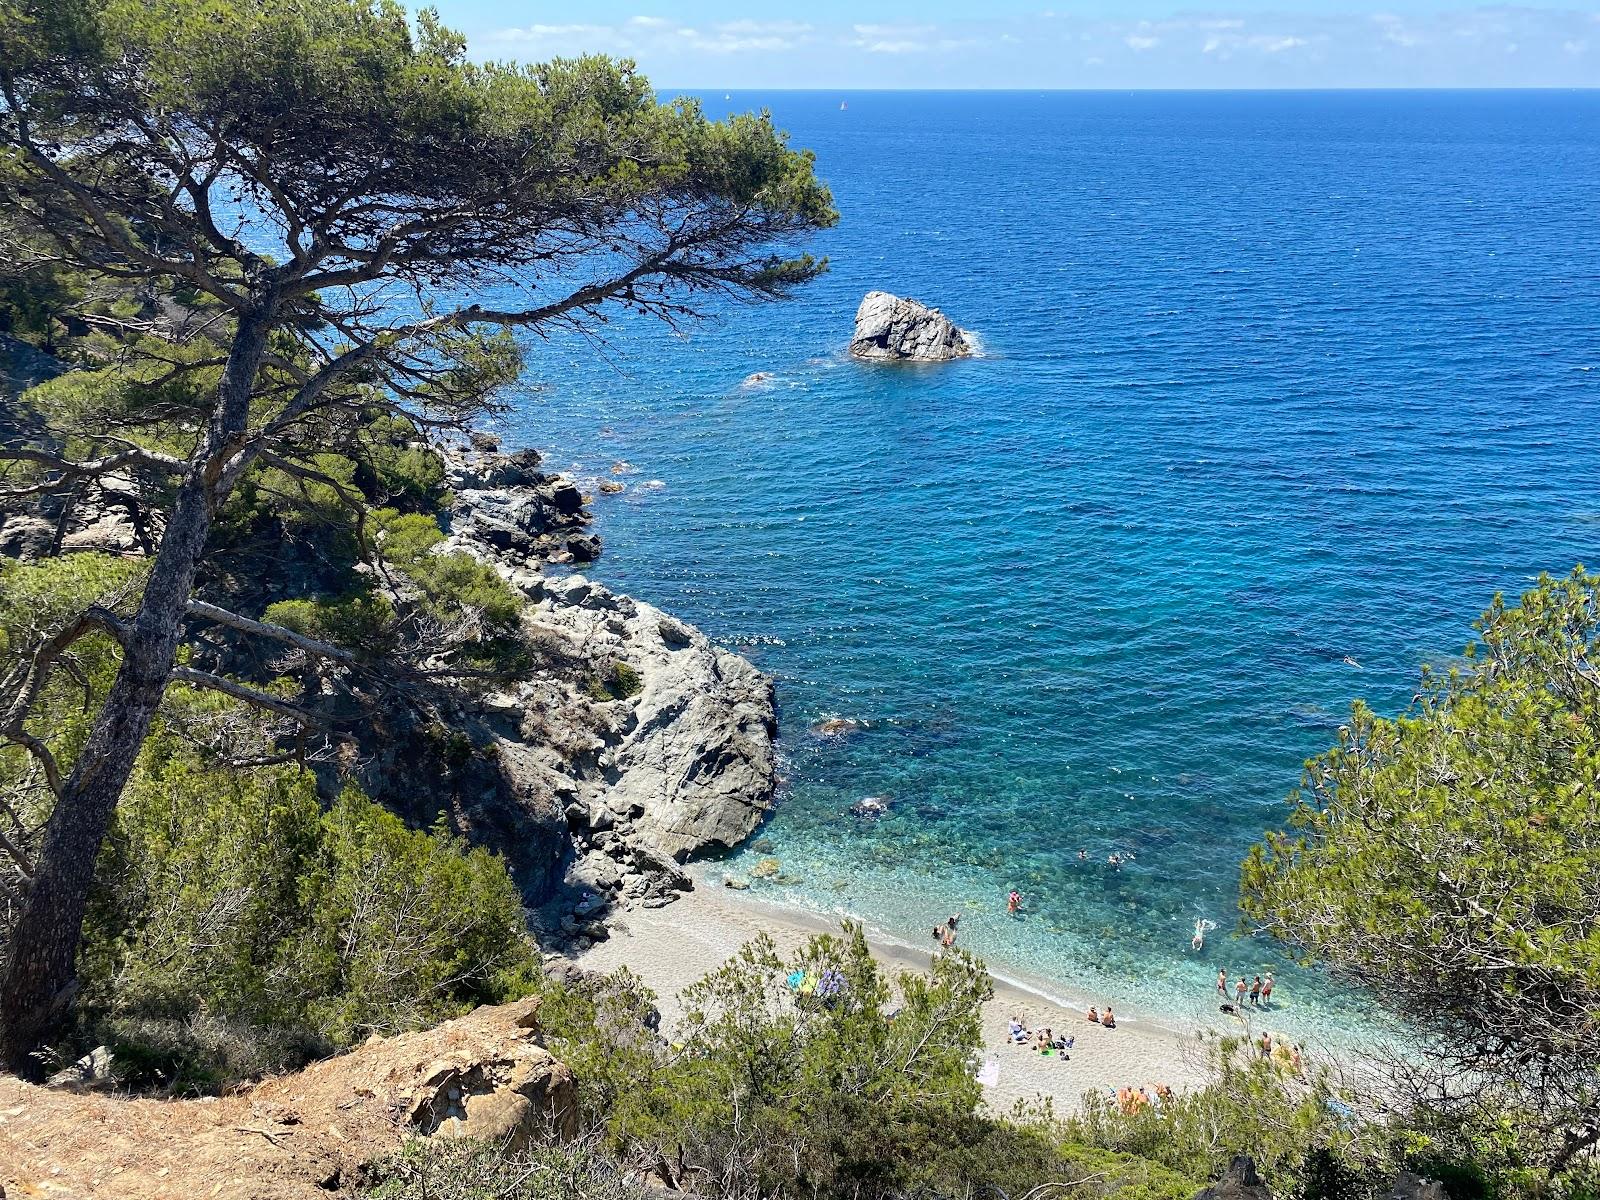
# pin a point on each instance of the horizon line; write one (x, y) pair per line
(1171, 90)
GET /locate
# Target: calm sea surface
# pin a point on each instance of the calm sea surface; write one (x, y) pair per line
(1277, 391)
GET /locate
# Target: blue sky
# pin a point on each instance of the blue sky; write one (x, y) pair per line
(1011, 43)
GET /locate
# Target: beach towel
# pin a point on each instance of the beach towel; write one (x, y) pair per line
(988, 1073)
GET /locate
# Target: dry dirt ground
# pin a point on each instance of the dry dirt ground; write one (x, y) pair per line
(309, 1134)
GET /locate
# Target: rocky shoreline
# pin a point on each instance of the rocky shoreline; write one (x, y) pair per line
(632, 746)
(654, 745)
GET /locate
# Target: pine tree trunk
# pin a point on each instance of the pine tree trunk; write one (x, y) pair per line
(40, 976)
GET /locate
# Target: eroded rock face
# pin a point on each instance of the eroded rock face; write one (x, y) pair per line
(297, 1136)
(893, 329)
(664, 749)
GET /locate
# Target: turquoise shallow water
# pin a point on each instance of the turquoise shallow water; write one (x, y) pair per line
(1278, 389)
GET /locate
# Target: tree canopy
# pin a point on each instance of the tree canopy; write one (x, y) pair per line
(1449, 860)
(272, 229)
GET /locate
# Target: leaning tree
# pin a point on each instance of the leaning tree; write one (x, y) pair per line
(335, 191)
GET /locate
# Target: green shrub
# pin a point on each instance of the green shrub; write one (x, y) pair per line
(360, 620)
(406, 927)
(231, 895)
(615, 681)
(410, 475)
(1251, 1106)
(453, 585)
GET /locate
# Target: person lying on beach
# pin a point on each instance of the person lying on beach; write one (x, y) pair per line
(1019, 1033)
(1094, 1015)
(1109, 1021)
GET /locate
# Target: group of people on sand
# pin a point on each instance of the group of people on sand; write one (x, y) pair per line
(1131, 1100)
(1043, 1040)
(1259, 991)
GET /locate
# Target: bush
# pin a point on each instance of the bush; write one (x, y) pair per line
(1252, 1106)
(616, 681)
(459, 1169)
(452, 585)
(406, 928)
(241, 927)
(359, 620)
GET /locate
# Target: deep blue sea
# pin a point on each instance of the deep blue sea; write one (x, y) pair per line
(1277, 391)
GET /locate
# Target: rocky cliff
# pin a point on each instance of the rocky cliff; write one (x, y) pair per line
(637, 746)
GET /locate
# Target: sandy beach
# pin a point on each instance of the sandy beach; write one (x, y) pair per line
(671, 947)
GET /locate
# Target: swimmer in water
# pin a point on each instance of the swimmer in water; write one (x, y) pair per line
(1083, 856)
(1014, 902)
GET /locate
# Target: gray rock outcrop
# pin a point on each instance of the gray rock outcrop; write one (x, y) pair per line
(507, 509)
(659, 742)
(1239, 1182)
(890, 328)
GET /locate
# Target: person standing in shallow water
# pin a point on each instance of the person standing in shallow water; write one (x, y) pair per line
(1222, 983)
(1014, 902)
(1240, 989)
(1255, 992)
(1266, 991)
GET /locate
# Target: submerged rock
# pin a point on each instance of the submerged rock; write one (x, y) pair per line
(891, 328)
(871, 807)
(834, 727)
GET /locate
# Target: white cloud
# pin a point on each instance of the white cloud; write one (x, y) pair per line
(530, 33)
(1501, 42)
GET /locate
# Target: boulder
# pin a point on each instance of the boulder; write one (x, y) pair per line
(297, 1136)
(26, 536)
(1408, 1186)
(584, 547)
(1238, 1182)
(890, 328)
(566, 498)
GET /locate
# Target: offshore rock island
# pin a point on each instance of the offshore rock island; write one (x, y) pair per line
(890, 328)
